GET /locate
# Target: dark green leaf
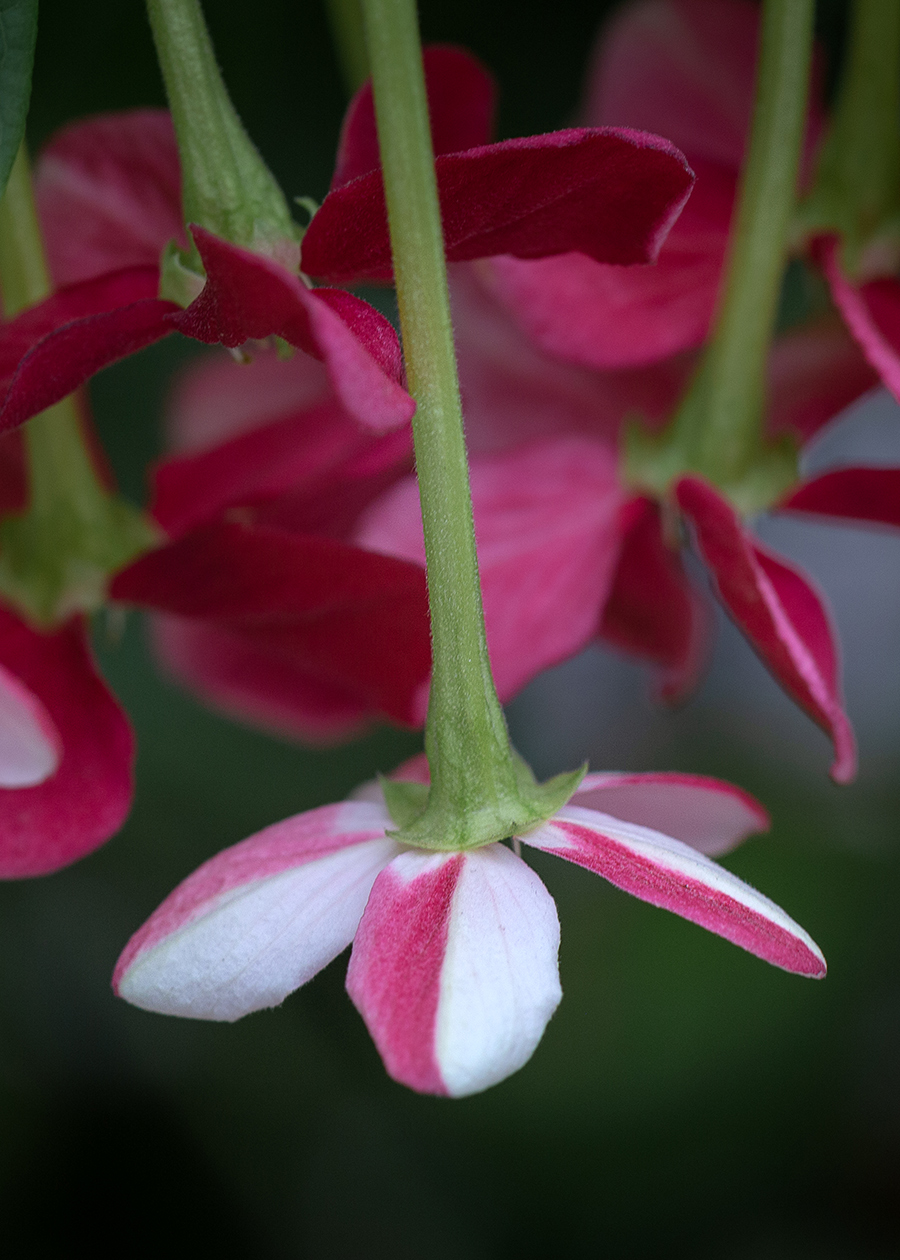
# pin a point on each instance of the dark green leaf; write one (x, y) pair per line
(18, 31)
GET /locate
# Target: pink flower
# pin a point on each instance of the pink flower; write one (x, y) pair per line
(871, 311)
(454, 962)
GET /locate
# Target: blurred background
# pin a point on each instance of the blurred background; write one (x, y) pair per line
(686, 1099)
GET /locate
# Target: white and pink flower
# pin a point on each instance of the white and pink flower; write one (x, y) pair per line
(454, 963)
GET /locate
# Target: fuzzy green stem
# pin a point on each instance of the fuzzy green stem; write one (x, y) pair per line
(55, 557)
(857, 189)
(226, 186)
(477, 791)
(717, 430)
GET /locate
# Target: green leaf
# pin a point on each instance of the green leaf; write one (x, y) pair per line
(18, 32)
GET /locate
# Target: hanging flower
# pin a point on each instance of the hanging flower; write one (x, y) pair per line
(454, 962)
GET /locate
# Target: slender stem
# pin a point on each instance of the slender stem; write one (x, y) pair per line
(466, 737)
(227, 187)
(346, 21)
(718, 426)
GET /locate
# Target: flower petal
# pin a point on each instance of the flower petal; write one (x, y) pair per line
(612, 194)
(53, 347)
(547, 525)
(30, 746)
(108, 191)
(667, 873)
(871, 312)
(654, 609)
(259, 919)
(454, 968)
(86, 799)
(249, 297)
(352, 619)
(814, 373)
(709, 815)
(778, 610)
(867, 496)
(461, 103)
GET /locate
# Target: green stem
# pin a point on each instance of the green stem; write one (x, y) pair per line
(477, 791)
(56, 556)
(227, 187)
(346, 21)
(857, 190)
(717, 431)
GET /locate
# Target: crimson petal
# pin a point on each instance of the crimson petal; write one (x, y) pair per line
(53, 347)
(610, 193)
(461, 103)
(778, 610)
(865, 495)
(344, 616)
(871, 312)
(54, 823)
(250, 297)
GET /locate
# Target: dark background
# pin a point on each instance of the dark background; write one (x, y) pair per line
(686, 1099)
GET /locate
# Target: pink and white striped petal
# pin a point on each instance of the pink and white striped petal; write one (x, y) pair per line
(454, 968)
(259, 919)
(30, 745)
(707, 814)
(667, 873)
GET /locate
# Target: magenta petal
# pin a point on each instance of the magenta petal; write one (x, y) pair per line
(655, 868)
(709, 815)
(259, 919)
(612, 194)
(454, 968)
(108, 192)
(323, 466)
(778, 610)
(250, 297)
(547, 526)
(609, 317)
(45, 827)
(461, 103)
(654, 609)
(30, 746)
(868, 496)
(814, 373)
(52, 348)
(350, 618)
(871, 312)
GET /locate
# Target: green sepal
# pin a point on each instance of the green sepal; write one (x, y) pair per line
(18, 32)
(405, 801)
(181, 275)
(525, 807)
(652, 462)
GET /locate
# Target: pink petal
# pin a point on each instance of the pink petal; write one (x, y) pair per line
(871, 312)
(654, 610)
(814, 373)
(655, 868)
(30, 747)
(108, 191)
(347, 617)
(259, 919)
(707, 814)
(685, 68)
(461, 103)
(52, 348)
(454, 968)
(612, 194)
(319, 464)
(235, 673)
(611, 317)
(72, 812)
(249, 297)
(512, 393)
(866, 496)
(778, 610)
(547, 525)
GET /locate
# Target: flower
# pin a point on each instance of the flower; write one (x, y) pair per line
(454, 962)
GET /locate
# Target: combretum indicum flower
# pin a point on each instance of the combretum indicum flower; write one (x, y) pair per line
(455, 939)
(454, 962)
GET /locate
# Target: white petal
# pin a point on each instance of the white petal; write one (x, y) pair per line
(30, 747)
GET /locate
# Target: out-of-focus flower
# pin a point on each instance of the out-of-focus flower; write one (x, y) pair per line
(454, 962)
